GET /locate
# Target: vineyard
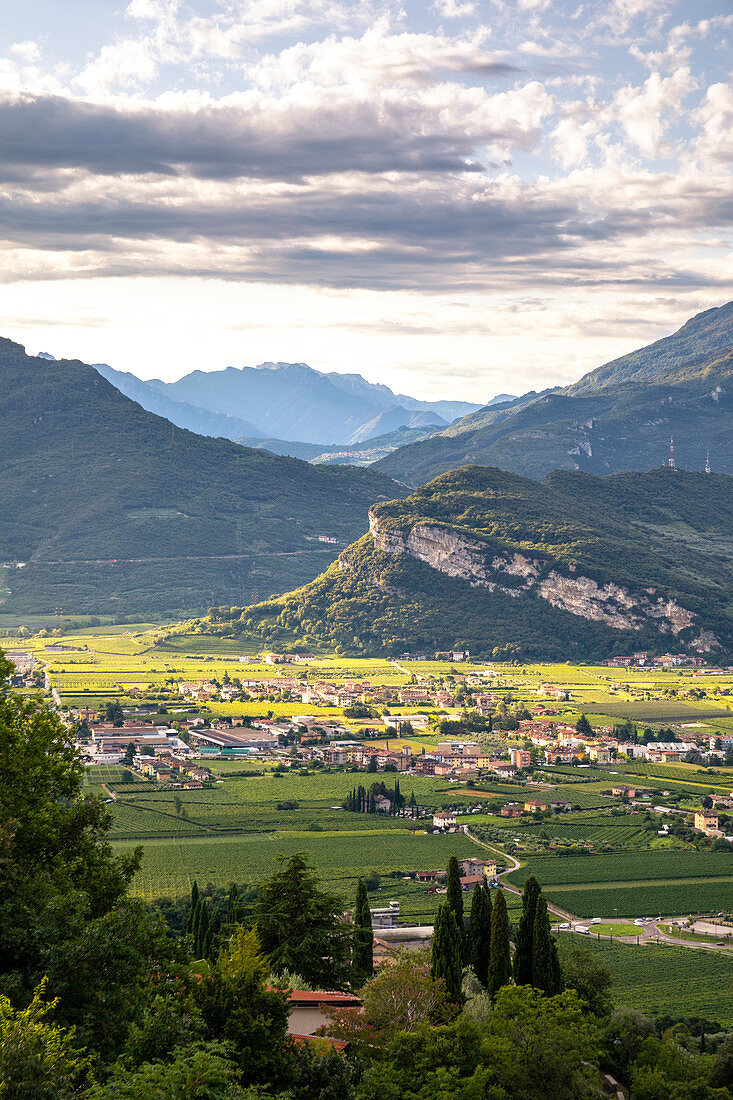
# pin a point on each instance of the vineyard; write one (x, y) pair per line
(170, 865)
(626, 867)
(665, 979)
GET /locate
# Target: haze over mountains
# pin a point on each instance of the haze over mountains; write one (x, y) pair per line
(113, 509)
(618, 417)
(285, 401)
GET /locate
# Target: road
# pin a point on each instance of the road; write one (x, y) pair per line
(648, 932)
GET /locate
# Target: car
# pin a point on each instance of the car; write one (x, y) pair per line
(720, 944)
(564, 925)
(639, 921)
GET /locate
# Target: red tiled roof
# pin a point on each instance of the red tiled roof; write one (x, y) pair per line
(318, 997)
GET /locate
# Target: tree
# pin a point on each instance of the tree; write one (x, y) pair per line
(37, 1059)
(542, 1046)
(400, 997)
(582, 972)
(300, 925)
(545, 967)
(525, 933)
(500, 962)
(129, 753)
(363, 951)
(479, 932)
(583, 727)
(60, 883)
(454, 895)
(192, 908)
(201, 1072)
(237, 1007)
(445, 962)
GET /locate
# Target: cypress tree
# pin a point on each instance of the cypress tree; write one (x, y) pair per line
(545, 966)
(195, 925)
(454, 899)
(445, 959)
(479, 932)
(500, 961)
(524, 949)
(363, 952)
(192, 907)
(233, 905)
(202, 931)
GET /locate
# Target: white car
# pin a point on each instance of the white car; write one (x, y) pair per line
(563, 926)
(639, 922)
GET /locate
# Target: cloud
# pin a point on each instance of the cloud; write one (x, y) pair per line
(645, 113)
(315, 131)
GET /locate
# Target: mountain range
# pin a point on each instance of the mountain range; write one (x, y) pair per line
(285, 401)
(618, 417)
(576, 566)
(113, 509)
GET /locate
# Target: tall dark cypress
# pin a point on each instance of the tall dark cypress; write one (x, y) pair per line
(479, 932)
(196, 925)
(545, 967)
(363, 952)
(454, 900)
(524, 945)
(445, 960)
(500, 960)
(203, 930)
(233, 905)
(192, 907)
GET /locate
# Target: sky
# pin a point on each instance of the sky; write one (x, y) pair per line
(454, 197)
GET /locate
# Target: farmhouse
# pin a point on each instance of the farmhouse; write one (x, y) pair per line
(445, 819)
(706, 820)
(533, 806)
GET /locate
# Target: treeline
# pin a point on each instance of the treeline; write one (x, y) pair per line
(363, 800)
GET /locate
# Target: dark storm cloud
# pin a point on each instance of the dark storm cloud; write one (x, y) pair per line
(228, 142)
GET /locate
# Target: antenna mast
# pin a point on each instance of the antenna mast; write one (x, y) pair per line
(707, 463)
(670, 460)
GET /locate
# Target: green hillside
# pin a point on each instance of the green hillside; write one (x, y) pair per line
(576, 567)
(115, 510)
(619, 417)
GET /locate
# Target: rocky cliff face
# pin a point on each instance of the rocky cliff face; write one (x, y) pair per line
(514, 574)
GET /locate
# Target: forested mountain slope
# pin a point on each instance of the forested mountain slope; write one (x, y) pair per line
(577, 566)
(115, 509)
(619, 417)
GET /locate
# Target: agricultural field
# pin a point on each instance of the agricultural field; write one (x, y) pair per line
(170, 865)
(660, 979)
(635, 883)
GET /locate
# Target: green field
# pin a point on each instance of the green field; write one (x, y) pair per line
(657, 979)
(169, 866)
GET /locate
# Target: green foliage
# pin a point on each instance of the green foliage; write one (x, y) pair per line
(300, 925)
(446, 960)
(363, 950)
(479, 932)
(524, 947)
(500, 963)
(204, 1072)
(454, 900)
(546, 974)
(237, 1007)
(38, 1060)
